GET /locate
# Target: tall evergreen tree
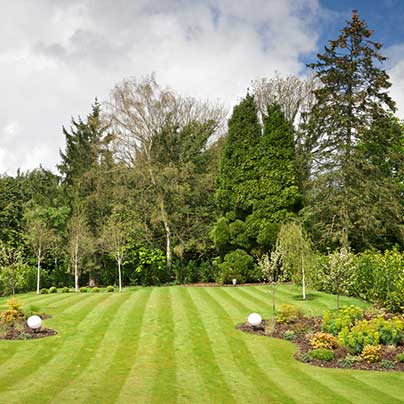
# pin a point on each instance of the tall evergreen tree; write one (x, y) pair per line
(257, 184)
(351, 181)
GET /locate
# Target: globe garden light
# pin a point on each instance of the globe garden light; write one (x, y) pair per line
(254, 319)
(34, 322)
(234, 281)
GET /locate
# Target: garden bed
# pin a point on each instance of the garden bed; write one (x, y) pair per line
(301, 331)
(23, 332)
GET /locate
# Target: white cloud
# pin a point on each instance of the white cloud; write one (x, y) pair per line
(56, 56)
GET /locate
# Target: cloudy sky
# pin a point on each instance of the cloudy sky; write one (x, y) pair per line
(56, 56)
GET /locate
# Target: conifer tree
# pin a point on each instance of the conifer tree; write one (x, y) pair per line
(352, 194)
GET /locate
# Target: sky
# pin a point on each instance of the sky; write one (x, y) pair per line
(56, 56)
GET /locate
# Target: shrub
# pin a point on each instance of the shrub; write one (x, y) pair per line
(65, 289)
(13, 312)
(288, 313)
(372, 332)
(322, 354)
(349, 360)
(323, 340)
(270, 326)
(372, 353)
(386, 364)
(31, 310)
(110, 289)
(53, 289)
(400, 357)
(346, 317)
(289, 335)
(239, 265)
(44, 291)
(83, 289)
(95, 290)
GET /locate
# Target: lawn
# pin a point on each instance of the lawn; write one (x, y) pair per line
(174, 344)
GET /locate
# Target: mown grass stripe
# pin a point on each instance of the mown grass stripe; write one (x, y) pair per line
(164, 389)
(30, 360)
(124, 347)
(143, 370)
(201, 355)
(61, 390)
(243, 357)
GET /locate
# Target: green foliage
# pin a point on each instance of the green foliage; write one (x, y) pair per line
(53, 289)
(83, 289)
(349, 360)
(110, 289)
(288, 313)
(13, 312)
(31, 310)
(400, 357)
(95, 290)
(289, 335)
(372, 332)
(372, 353)
(322, 354)
(65, 289)
(345, 317)
(237, 265)
(386, 364)
(44, 291)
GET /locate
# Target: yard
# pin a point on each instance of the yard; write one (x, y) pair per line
(175, 344)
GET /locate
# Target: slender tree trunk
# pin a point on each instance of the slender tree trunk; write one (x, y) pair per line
(119, 275)
(38, 273)
(273, 299)
(76, 269)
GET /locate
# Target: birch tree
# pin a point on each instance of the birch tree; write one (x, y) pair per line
(80, 244)
(40, 236)
(143, 112)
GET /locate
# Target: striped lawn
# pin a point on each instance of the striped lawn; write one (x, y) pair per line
(175, 344)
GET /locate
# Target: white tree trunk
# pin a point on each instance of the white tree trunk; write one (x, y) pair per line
(38, 274)
(168, 244)
(76, 269)
(119, 274)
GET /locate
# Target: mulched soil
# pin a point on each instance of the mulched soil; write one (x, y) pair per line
(303, 328)
(21, 331)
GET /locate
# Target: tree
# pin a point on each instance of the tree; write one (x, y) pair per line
(340, 271)
(257, 182)
(80, 243)
(273, 272)
(39, 235)
(160, 134)
(115, 237)
(13, 270)
(294, 250)
(353, 155)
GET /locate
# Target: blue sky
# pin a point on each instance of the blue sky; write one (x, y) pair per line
(56, 56)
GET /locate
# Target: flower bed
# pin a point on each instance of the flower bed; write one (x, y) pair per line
(348, 338)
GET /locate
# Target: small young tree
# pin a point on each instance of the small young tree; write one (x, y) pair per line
(294, 248)
(13, 270)
(340, 270)
(80, 243)
(39, 236)
(272, 271)
(114, 238)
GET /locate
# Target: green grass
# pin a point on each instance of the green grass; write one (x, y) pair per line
(175, 344)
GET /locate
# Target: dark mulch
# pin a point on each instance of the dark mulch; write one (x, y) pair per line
(303, 328)
(20, 331)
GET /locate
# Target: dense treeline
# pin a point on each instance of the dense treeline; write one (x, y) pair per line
(153, 187)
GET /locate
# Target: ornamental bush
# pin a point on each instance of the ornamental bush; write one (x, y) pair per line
(95, 290)
(44, 291)
(322, 354)
(372, 353)
(53, 289)
(239, 265)
(288, 313)
(110, 289)
(83, 289)
(65, 289)
(400, 357)
(323, 340)
(346, 317)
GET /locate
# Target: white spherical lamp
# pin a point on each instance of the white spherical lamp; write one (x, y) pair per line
(254, 319)
(34, 322)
